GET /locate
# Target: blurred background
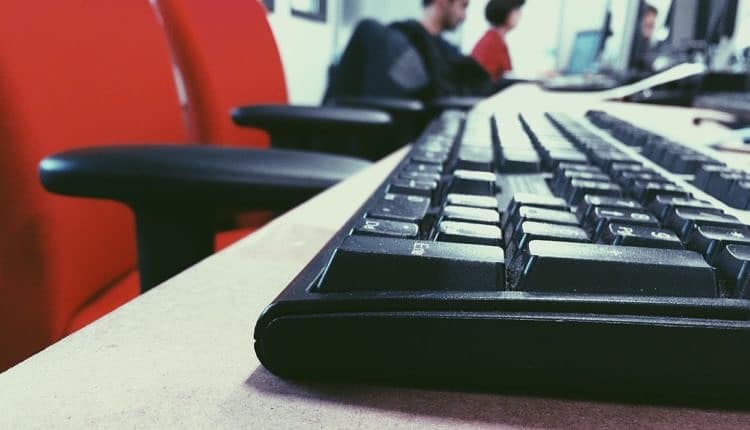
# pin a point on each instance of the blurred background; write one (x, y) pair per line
(541, 43)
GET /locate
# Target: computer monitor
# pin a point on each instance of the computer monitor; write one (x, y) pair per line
(707, 21)
(586, 49)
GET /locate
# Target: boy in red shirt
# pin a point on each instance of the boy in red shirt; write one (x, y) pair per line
(491, 51)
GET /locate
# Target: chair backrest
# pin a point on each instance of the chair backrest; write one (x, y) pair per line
(378, 61)
(228, 58)
(73, 73)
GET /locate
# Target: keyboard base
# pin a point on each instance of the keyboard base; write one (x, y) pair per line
(627, 358)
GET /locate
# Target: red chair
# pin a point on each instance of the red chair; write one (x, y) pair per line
(83, 74)
(229, 59)
(65, 262)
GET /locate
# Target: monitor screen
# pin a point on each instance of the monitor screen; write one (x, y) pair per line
(584, 52)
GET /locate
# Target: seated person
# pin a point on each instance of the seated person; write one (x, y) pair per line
(643, 49)
(491, 51)
(451, 73)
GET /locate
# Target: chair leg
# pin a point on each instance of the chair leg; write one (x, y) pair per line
(170, 242)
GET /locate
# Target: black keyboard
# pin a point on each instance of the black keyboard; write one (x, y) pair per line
(736, 103)
(534, 252)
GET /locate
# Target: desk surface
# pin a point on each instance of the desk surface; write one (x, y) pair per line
(181, 355)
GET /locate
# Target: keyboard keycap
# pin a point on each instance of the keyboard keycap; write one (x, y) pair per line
(472, 158)
(600, 218)
(563, 182)
(379, 227)
(414, 187)
(662, 206)
(463, 232)
(520, 161)
(420, 176)
(562, 267)
(531, 230)
(579, 188)
(478, 215)
(364, 263)
(592, 202)
(739, 195)
(473, 182)
(471, 201)
(646, 192)
(638, 235)
(710, 241)
(401, 207)
(422, 168)
(733, 263)
(683, 221)
(530, 213)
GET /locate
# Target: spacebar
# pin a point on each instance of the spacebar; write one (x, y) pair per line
(560, 267)
(365, 263)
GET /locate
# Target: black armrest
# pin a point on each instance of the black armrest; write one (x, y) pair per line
(454, 102)
(284, 120)
(177, 191)
(394, 106)
(230, 178)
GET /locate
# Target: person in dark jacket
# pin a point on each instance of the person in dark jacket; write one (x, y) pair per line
(451, 73)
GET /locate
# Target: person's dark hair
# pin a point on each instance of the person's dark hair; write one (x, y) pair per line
(497, 11)
(650, 9)
(426, 3)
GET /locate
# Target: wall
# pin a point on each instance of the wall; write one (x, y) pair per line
(306, 50)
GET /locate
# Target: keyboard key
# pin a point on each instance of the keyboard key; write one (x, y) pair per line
(462, 232)
(642, 236)
(473, 158)
(710, 240)
(401, 207)
(364, 263)
(646, 192)
(690, 163)
(627, 179)
(605, 159)
(422, 168)
(600, 218)
(535, 200)
(379, 227)
(579, 188)
(719, 185)
(561, 267)
(420, 176)
(561, 183)
(430, 157)
(473, 182)
(413, 187)
(531, 230)
(706, 173)
(563, 167)
(553, 157)
(683, 221)
(733, 263)
(478, 215)
(592, 202)
(520, 161)
(472, 201)
(662, 206)
(530, 213)
(739, 195)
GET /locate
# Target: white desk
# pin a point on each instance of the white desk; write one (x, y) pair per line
(182, 356)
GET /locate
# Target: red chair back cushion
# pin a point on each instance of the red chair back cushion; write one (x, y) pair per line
(73, 73)
(228, 58)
